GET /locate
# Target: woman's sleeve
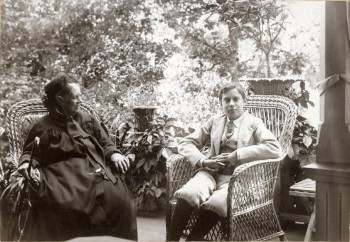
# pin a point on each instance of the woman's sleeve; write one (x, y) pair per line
(36, 131)
(104, 140)
(190, 146)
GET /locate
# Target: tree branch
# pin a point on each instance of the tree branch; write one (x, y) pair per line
(207, 44)
(279, 31)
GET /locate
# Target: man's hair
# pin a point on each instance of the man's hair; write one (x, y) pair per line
(232, 85)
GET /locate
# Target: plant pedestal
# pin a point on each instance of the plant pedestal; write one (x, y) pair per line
(148, 204)
(270, 86)
(143, 116)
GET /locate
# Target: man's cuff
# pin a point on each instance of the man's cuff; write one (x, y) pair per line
(200, 163)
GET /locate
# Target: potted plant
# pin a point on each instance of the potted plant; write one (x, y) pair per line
(148, 152)
(304, 139)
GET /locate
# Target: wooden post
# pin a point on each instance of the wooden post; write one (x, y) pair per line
(0, 25)
(332, 168)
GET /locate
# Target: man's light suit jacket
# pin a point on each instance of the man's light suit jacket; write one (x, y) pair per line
(255, 141)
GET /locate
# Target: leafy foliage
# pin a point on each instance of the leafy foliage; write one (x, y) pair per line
(304, 135)
(304, 140)
(109, 45)
(212, 33)
(149, 151)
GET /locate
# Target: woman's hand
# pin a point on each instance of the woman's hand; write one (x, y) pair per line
(120, 162)
(34, 173)
(229, 159)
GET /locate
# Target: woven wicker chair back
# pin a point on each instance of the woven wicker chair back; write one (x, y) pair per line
(22, 115)
(278, 113)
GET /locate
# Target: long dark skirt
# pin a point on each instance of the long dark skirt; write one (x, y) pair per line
(112, 214)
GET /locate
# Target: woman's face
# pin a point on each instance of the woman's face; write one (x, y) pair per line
(70, 101)
(232, 103)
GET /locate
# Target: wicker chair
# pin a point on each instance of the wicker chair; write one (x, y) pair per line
(19, 118)
(251, 213)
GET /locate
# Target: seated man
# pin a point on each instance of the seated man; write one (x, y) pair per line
(236, 137)
(81, 191)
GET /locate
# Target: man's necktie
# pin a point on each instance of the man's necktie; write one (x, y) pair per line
(229, 130)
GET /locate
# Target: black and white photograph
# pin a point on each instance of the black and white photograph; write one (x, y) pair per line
(174, 120)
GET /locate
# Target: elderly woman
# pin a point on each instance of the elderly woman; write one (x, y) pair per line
(236, 137)
(81, 190)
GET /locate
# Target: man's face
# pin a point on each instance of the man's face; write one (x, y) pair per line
(70, 101)
(232, 104)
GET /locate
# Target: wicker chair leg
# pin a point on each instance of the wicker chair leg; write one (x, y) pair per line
(283, 238)
(168, 221)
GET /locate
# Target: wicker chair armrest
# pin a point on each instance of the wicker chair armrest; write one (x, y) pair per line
(252, 185)
(179, 171)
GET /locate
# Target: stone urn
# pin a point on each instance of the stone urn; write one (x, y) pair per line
(270, 86)
(143, 116)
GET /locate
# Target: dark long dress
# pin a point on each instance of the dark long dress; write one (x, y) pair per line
(79, 195)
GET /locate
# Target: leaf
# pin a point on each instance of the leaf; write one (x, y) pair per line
(191, 130)
(311, 103)
(131, 157)
(153, 122)
(161, 121)
(307, 140)
(157, 143)
(115, 122)
(149, 139)
(290, 152)
(299, 139)
(171, 122)
(147, 166)
(171, 131)
(304, 160)
(153, 161)
(301, 118)
(140, 163)
(166, 153)
(158, 192)
(122, 126)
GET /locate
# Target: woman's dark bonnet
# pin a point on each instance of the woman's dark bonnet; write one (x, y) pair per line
(58, 85)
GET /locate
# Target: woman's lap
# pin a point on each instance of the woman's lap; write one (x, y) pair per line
(113, 214)
(120, 209)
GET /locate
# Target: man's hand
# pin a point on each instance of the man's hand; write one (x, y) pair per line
(227, 158)
(213, 164)
(121, 162)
